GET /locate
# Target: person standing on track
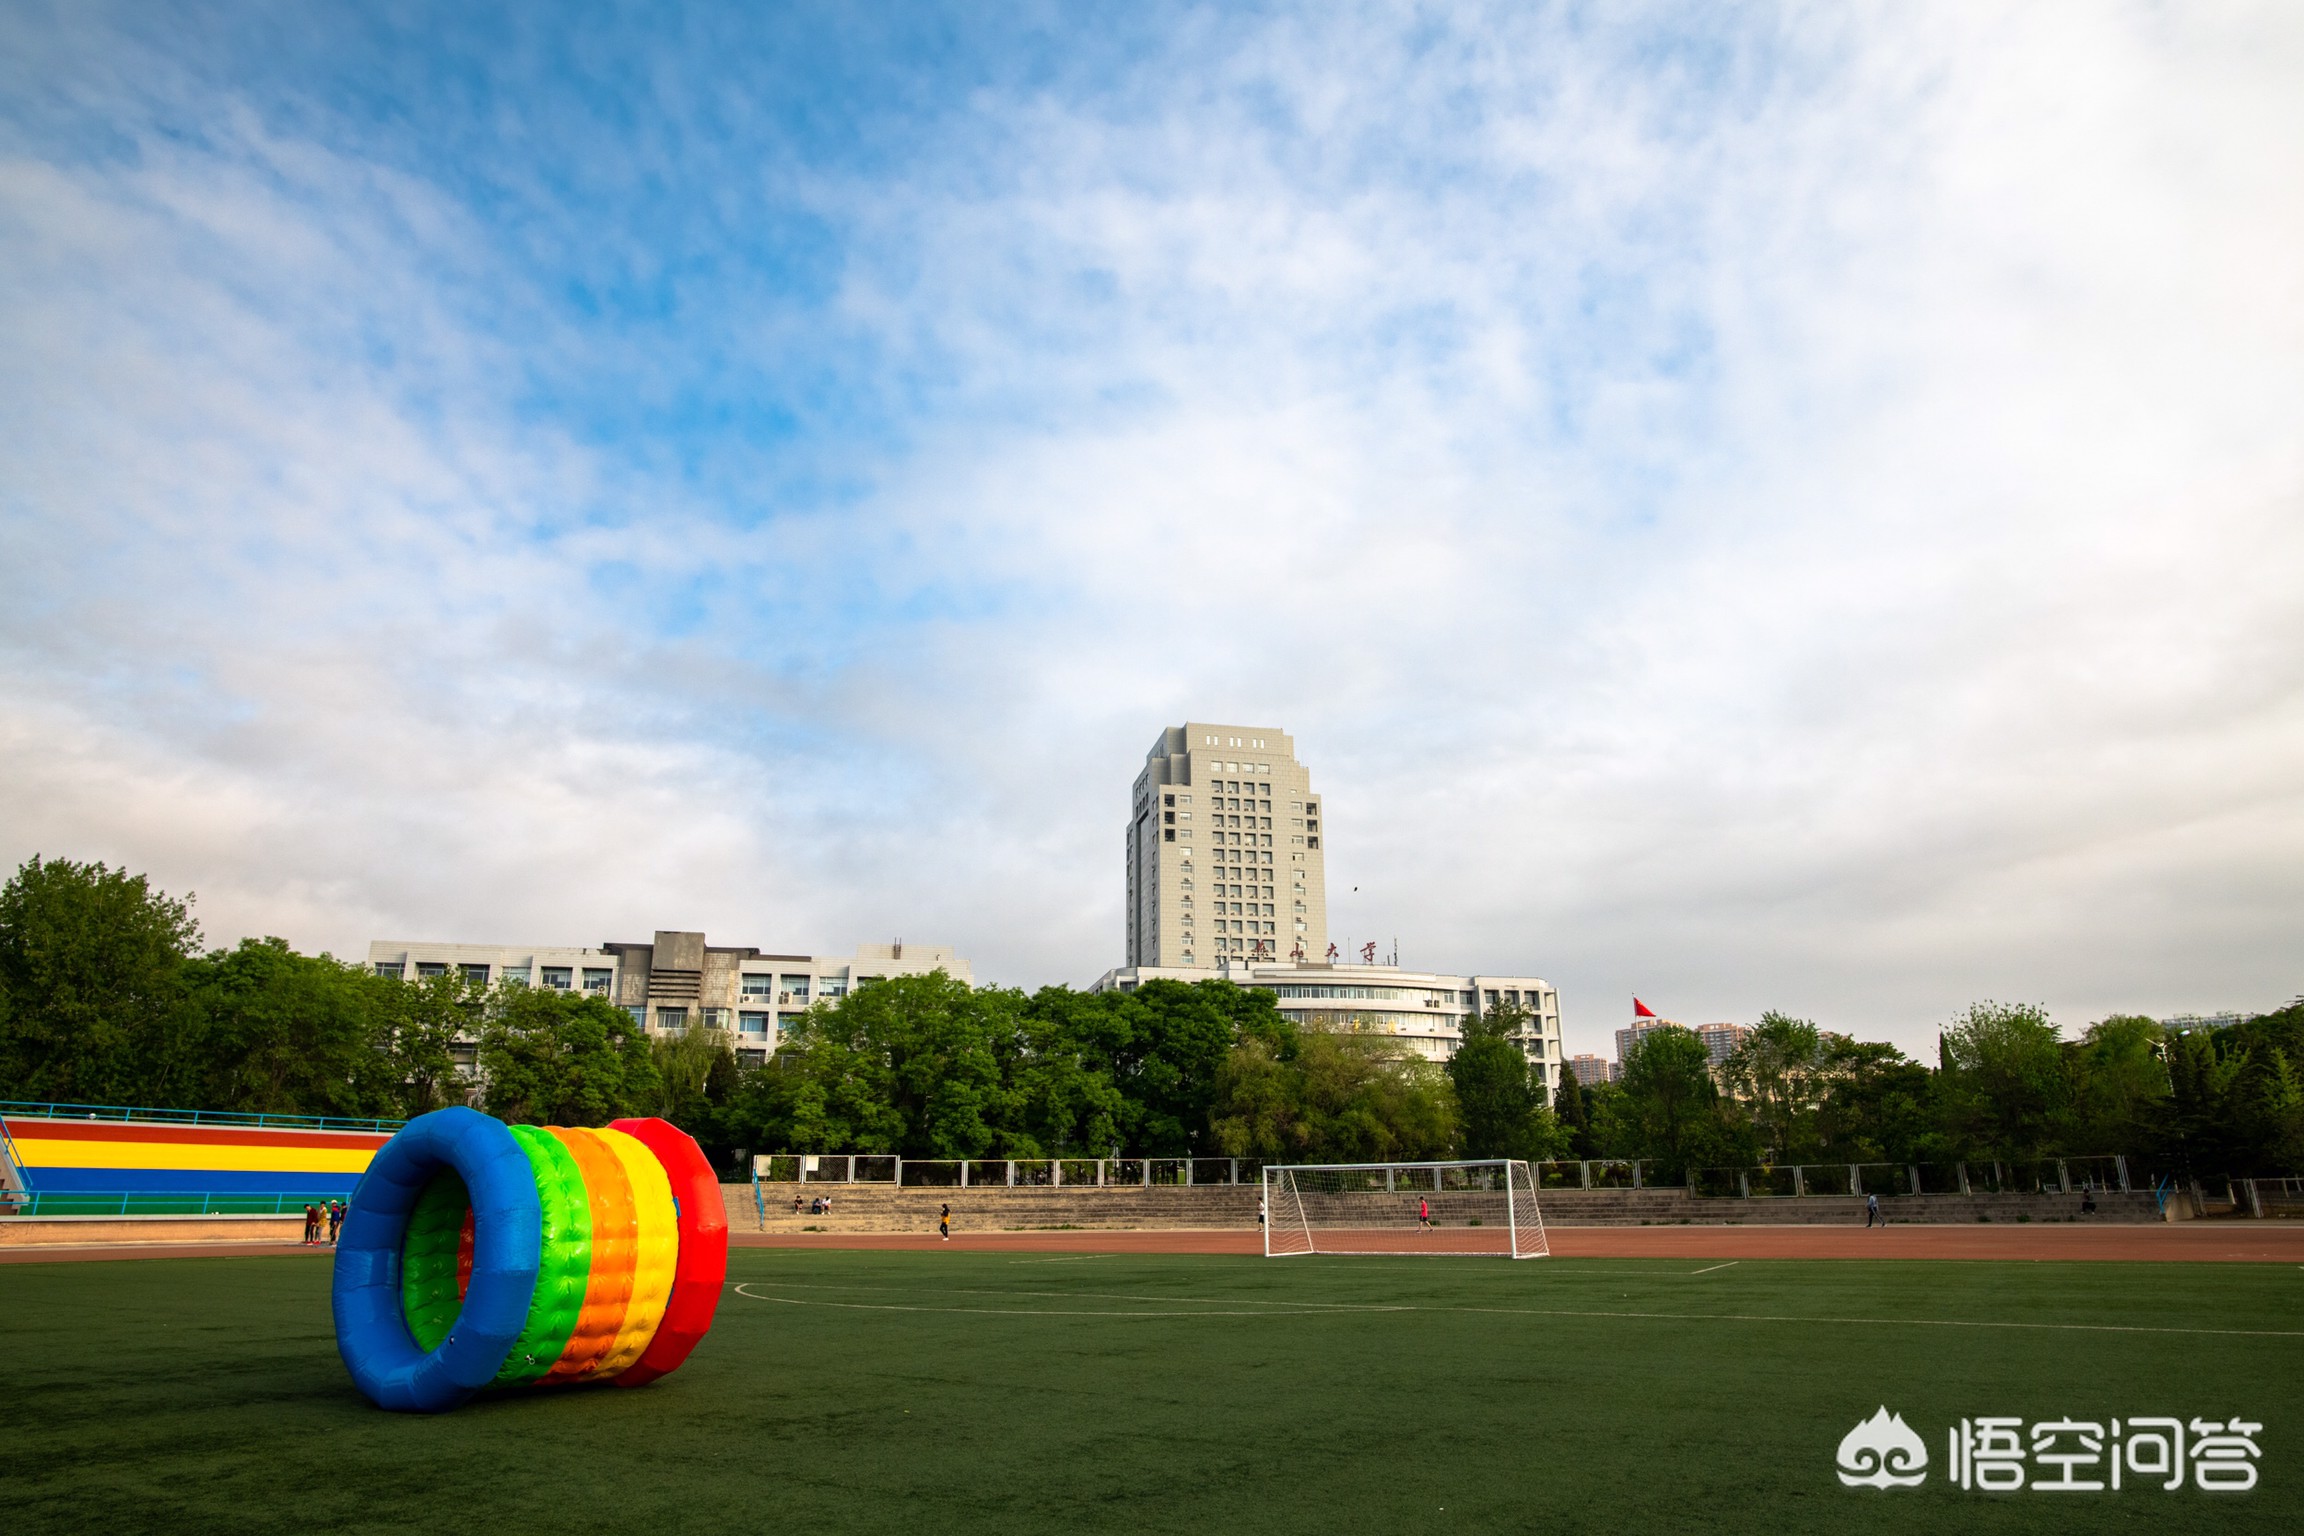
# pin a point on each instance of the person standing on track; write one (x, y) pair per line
(1423, 1213)
(1872, 1211)
(944, 1222)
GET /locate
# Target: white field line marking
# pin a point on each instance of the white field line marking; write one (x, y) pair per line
(1069, 1258)
(883, 1306)
(1318, 1309)
(1884, 1322)
(1731, 1264)
(968, 1290)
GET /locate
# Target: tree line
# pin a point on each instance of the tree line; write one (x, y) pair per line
(107, 997)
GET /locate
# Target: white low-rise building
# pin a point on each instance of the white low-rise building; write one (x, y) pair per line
(677, 981)
(1423, 1010)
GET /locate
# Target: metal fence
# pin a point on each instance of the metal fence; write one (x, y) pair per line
(1011, 1173)
(1594, 1173)
(31, 1110)
(2057, 1175)
(145, 1202)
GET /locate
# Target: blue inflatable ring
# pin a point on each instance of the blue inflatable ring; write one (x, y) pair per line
(507, 1222)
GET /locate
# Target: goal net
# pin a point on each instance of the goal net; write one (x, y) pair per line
(1486, 1207)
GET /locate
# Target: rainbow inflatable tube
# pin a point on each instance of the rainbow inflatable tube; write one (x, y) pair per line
(477, 1254)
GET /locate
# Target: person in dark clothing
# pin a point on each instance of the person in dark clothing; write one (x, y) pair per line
(944, 1222)
(1872, 1211)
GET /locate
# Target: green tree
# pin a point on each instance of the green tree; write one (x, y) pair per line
(92, 1001)
(2004, 1086)
(2120, 1086)
(1500, 1107)
(1670, 1103)
(423, 1023)
(1777, 1073)
(1572, 1111)
(285, 1033)
(556, 1058)
(1259, 1106)
(1165, 1065)
(1876, 1105)
(689, 1066)
(1367, 1101)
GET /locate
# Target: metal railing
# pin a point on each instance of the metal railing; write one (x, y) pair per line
(117, 1112)
(147, 1202)
(2053, 1176)
(1594, 1173)
(1012, 1173)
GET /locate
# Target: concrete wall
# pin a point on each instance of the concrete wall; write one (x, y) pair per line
(36, 1231)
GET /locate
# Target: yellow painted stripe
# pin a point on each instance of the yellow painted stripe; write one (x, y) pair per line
(36, 1152)
(657, 1254)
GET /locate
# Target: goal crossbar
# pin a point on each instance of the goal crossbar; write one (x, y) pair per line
(1468, 1207)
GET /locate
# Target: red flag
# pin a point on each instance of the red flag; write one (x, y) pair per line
(1641, 1010)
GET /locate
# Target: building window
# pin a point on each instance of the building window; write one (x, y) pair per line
(797, 986)
(672, 1019)
(715, 1018)
(639, 1014)
(427, 969)
(391, 968)
(1168, 800)
(476, 975)
(1170, 834)
(752, 1024)
(1311, 842)
(597, 978)
(515, 976)
(758, 983)
(559, 977)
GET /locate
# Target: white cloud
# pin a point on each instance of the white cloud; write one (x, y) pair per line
(1807, 520)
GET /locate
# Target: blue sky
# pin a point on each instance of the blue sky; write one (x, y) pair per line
(1776, 509)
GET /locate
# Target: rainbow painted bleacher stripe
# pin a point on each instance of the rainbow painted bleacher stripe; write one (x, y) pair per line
(54, 1155)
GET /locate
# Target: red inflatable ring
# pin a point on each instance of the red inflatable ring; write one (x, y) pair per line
(702, 1269)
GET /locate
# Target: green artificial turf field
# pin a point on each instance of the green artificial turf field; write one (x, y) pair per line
(954, 1391)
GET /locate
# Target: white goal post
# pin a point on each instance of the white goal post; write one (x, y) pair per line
(1485, 1206)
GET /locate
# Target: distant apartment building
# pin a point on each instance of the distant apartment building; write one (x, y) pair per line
(1225, 856)
(1592, 1070)
(2185, 1023)
(1720, 1040)
(1422, 1011)
(677, 980)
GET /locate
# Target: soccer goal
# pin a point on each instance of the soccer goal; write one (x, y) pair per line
(1470, 1208)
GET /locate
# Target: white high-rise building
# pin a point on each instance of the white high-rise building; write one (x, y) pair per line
(1224, 851)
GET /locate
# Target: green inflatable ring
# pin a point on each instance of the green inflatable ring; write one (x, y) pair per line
(567, 1258)
(429, 1294)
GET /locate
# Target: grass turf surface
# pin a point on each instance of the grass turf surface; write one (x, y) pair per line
(948, 1391)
